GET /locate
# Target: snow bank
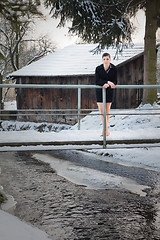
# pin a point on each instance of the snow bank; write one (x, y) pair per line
(123, 125)
(12, 228)
(39, 127)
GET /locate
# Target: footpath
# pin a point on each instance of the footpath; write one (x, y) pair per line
(30, 140)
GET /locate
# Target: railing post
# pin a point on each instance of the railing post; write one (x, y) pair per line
(104, 117)
(79, 106)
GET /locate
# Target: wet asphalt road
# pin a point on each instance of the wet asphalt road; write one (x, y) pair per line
(68, 211)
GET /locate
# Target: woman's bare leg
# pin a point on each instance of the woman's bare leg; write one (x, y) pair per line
(108, 107)
(100, 107)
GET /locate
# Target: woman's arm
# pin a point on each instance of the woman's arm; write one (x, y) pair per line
(98, 81)
(113, 81)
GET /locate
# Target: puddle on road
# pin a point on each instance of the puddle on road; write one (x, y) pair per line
(92, 179)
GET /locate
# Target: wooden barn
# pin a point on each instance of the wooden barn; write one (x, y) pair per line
(76, 64)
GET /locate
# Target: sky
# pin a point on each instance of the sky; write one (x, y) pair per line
(49, 27)
(60, 35)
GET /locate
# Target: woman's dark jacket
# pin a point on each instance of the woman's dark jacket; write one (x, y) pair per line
(103, 77)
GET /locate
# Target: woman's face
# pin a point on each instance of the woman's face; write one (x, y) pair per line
(106, 60)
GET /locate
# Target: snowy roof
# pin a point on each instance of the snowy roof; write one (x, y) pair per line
(74, 60)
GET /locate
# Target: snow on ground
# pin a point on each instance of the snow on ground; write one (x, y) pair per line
(131, 127)
(122, 126)
(125, 126)
(144, 118)
(128, 125)
(12, 228)
(29, 126)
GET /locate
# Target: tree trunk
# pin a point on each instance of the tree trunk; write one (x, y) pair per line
(17, 47)
(1, 104)
(150, 95)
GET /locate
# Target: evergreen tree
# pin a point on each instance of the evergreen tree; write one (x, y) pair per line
(94, 21)
(108, 23)
(19, 9)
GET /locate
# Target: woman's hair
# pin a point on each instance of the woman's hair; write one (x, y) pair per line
(106, 54)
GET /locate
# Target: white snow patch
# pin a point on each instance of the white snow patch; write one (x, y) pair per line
(12, 228)
(10, 105)
(121, 127)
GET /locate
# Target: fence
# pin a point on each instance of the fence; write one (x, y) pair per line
(79, 87)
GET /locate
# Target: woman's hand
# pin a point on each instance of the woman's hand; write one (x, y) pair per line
(111, 84)
(106, 85)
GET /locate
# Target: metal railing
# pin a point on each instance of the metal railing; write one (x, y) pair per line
(79, 87)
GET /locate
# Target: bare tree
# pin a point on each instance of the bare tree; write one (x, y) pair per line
(17, 18)
(17, 13)
(37, 48)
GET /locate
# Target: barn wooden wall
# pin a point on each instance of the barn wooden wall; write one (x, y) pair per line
(55, 98)
(129, 73)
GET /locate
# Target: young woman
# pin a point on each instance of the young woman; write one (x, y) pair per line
(106, 76)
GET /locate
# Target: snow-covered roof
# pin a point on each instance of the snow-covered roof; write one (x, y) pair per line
(74, 60)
